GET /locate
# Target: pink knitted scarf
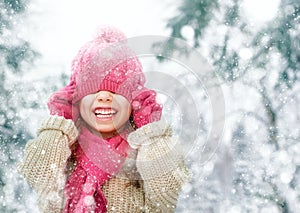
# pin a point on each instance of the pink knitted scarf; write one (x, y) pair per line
(97, 160)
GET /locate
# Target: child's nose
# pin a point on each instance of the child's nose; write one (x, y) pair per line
(104, 96)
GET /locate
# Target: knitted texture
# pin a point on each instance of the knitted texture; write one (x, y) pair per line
(97, 160)
(106, 63)
(45, 159)
(161, 166)
(124, 195)
(145, 108)
(157, 191)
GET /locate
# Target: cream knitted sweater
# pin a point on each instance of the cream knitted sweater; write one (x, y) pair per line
(150, 180)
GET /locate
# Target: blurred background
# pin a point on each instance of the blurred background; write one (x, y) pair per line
(254, 48)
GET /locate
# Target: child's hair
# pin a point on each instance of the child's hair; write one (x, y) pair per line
(107, 63)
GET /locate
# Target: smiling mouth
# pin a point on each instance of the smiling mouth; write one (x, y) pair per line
(105, 113)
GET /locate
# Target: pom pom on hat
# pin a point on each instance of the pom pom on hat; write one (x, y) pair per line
(107, 63)
(109, 34)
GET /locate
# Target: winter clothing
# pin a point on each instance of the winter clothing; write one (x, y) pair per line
(45, 161)
(149, 181)
(96, 161)
(106, 63)
(124, 173)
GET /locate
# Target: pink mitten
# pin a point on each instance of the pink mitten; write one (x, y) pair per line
(145, 108)
(60, 102)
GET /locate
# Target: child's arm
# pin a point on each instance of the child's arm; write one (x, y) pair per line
(161, 166)
(45, 160)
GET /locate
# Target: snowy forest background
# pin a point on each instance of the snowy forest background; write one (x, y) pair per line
(256, 167)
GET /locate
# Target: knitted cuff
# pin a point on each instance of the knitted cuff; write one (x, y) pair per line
(160, 157)
(144, 134)
(158, 152)
(55, 122)
(45, 159)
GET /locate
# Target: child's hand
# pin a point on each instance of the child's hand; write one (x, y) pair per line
(145, 108)
(60, 102)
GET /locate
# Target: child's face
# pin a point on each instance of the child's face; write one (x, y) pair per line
(105, 111)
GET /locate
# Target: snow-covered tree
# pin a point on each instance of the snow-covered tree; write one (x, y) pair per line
(16, 56)
(259, 65)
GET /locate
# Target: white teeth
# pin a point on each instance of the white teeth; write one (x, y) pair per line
(103, 116)
(105, 112)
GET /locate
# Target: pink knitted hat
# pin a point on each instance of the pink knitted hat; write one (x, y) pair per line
(106, 63)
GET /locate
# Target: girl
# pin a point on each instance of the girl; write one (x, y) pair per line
(104, 147)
